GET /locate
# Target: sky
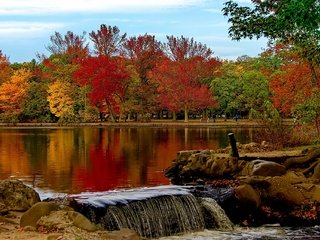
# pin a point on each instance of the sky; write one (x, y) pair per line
(26, 25)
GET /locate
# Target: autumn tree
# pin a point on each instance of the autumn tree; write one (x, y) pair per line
(5, 69)
(36, 69)
(182, 76)
(182, 48)
(71, 46)
(107, 40)
(13, 92)
(143, 53)
(179, 84)
(107, 78)
(61, 98)
(67, 53)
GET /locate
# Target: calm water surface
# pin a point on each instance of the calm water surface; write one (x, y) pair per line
(74, 160)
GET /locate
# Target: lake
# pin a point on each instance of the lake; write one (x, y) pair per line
(74, 160)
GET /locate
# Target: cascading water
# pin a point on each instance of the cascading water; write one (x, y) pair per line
(216, 217)
(153, 212)
(162, 216)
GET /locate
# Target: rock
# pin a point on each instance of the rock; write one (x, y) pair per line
(29, 228)
(16, 196)
(31, 217)
(280, 190)
(184, 155)
(315, 193)
(81, 221)
(248, 195)
(3, 209)
(294, 177)
(55, 237)
(124, 234)
(62, 219)
(55, 220)
(263, 168)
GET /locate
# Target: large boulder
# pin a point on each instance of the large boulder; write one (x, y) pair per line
(74, 225)
(31, 217)
(81, 221)
(192, 165)
(263, 168)
(282, 191)
(247, 195)
(16, 196)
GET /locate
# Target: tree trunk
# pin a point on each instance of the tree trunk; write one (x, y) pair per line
(186, 119)
(314, 78)
(174, 116)
(110, 111)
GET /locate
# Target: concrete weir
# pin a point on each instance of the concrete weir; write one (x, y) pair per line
(152, 212)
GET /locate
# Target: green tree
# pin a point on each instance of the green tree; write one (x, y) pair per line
(228, 89)
(241, 86)
(293, 22)
(309, 111)
(36, 105)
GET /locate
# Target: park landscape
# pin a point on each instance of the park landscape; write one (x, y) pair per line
(112, 80)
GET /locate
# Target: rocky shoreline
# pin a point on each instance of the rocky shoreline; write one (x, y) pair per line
(269, 186)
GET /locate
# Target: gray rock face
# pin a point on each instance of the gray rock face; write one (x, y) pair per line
(16, 196)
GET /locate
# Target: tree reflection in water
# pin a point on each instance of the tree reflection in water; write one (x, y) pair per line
(74, 160)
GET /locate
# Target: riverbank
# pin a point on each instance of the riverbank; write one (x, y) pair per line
(153, 123)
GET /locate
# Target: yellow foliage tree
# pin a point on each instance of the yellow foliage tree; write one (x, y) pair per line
(13, 92)
(61, 99)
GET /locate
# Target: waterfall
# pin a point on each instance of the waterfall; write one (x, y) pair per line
(163, 216)
(215, 216)
(153, 213)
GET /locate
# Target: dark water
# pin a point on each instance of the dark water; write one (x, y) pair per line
(73, 160)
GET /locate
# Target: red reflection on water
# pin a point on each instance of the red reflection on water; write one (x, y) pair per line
(107, 168)
(105, 172)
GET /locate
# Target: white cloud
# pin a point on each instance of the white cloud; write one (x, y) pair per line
(11, 28)
(42, 7)
(213, 10)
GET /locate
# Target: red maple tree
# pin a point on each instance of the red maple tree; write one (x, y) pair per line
(179, 84)
(107, 78)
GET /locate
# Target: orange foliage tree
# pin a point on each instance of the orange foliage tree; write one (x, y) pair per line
(291, 86)
(5, 69)
(13, 92)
